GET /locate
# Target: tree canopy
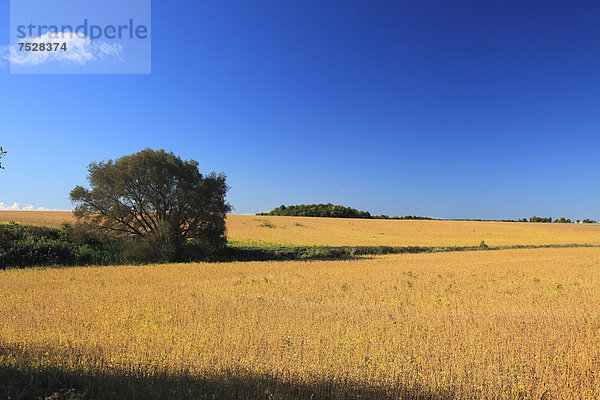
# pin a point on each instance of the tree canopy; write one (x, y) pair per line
(154, 196)
(540, 219)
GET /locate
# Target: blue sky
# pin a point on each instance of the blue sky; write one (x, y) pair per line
(444, 109)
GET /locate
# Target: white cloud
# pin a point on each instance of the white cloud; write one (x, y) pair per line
(5, 207)
(80, 51)
(28, 207)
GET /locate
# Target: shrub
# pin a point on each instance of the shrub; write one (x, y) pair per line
(26, 246)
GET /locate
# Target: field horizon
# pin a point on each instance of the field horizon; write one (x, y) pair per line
(316, 231)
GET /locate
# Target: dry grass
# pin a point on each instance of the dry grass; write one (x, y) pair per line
(51, 219)
(359, 232)
(502, 324)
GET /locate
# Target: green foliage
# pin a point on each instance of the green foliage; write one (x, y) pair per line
(25, 246)
(562, 220)
(540, 219)
(156, 201)
(415, 217)
(159, 246)
(264, 251)
(80, 244)
(319, 210)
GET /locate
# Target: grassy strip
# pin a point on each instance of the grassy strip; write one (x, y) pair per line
(264, 251)
(24, 246)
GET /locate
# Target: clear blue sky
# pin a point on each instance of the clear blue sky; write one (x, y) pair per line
(445, 109)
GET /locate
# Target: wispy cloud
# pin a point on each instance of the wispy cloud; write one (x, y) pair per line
(80, 51)
(28, 207)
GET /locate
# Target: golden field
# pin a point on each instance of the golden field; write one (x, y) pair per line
(487, 324)
(51, 219)
(361, 232)
(365, 232)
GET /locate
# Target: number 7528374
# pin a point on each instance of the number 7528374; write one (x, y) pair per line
(42, 46)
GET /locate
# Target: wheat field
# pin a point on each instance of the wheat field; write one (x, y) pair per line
(361, 232)
(365, 232)
(493, 324)
(51, 219)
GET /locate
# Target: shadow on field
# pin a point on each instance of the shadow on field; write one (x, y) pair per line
(53, 383)
(307, 253)
(237, 252)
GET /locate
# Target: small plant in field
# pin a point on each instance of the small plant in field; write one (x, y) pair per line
(286, 342)
(482, 245)
(298, 224)
(267, 225)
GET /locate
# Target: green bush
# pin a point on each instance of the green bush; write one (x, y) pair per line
(25, 246)
(42, 252)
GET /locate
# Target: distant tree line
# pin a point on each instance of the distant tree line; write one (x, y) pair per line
(539, 219)
(405, 217)
(318, 210)
(488, 220)
(329, 211)
(561, 220)
(336, 211)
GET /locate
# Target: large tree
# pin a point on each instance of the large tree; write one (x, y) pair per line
(155, 196)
